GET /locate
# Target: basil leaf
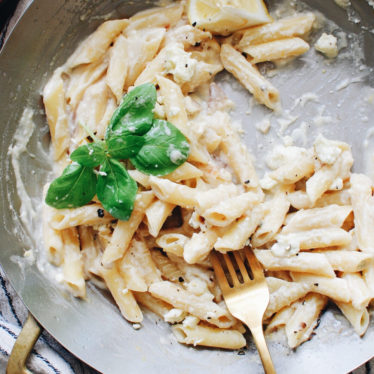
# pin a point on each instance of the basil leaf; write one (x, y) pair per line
(74, 188)
(164, 150)
(91, 155)
(116, 189)
(135, 113)
(124, 145)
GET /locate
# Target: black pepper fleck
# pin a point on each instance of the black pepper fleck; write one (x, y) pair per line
(316, 284)
(247, 181)
(194, 24)
(180, 279)
(100, 213)
(197, 44)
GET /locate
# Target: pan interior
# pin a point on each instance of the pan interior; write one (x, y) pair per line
(94, 329)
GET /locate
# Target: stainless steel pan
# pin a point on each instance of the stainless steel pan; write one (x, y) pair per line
(94, 329)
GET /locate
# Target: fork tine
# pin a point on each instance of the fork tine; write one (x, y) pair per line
(242, 268)
(220, 274)
(231, 269)
(256, 267)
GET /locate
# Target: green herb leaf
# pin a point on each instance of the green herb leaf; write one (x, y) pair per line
(135, 113)
(116, 189)
(165, 149)
(74, 188)
(91, 155)
(124, 145)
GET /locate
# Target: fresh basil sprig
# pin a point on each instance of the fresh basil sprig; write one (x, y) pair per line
(154, 147)
(116, 189)
(165, 148)
(74, 188)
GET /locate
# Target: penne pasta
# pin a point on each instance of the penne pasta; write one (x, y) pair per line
(249, 77)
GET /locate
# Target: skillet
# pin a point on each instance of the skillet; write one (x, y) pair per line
(93, 329)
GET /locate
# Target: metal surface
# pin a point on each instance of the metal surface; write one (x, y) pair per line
(93, 329)
(248, 298)
(23, 347)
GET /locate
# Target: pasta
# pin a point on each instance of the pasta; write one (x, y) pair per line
(309, 219)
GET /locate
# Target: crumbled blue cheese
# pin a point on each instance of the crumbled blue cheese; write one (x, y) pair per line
(174, 315)
(327, 44)
(190, 322)
(267, 183)
(179, 63)
(263, 126)
(175, 154)
(159, 111)
(326, 150)
(285, 246)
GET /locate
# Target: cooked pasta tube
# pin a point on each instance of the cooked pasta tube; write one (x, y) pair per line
(315, 238)
(124, 230)
(52, 238)
(329, 216)
(239, 231)
(142, 47)
(156, 17)
(304, 262)
(72, 267)
(285, 294)
(155, 305)
(275, 211)
(304, 319)
(280, 318)
(363, 207)
(275, 50)
(168, 268)
(172, 243)
(335, 288)
(89, 251)
(249, 77)
(123, 297)
(297, 25)
(55, 109)
(348, 261)
(80, 78)
(93, 214)
(156, 214)
(360, 293)
(199, 246)
(322, 180)
(359, 318)
(209, 336)
(201, 308)
(237, 154)
(137, 267)
(228, 210)
(95, 46)
(117, 68)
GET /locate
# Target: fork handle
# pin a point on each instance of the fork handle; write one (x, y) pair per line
(258, 336)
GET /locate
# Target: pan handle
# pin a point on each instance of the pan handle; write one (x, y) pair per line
(23, 346)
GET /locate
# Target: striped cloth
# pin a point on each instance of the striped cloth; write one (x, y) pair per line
(48, 356)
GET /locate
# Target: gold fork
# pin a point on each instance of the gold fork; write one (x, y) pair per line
(246, 298)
